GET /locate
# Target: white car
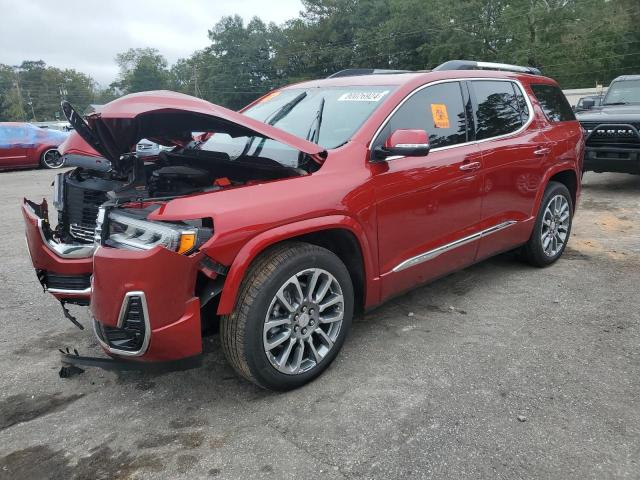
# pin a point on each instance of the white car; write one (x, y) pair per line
(147, 148)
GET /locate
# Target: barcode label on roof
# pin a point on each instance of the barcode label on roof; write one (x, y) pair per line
(362, 96)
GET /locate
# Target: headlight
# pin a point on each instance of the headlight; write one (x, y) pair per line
(129, 232)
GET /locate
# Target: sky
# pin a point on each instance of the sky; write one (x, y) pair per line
(87, 34)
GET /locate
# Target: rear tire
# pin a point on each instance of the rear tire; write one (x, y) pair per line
(552, 227)
(292, 315)
(51, 159)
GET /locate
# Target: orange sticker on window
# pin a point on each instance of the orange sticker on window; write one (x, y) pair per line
(269, 97)
(440, 115)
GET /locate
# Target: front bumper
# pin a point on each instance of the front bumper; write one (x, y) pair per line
(70, 359)
(64, 270)
(610, 159)
(143, 304)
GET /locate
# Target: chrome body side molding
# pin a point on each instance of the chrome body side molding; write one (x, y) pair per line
(69, 291)
(431, 254)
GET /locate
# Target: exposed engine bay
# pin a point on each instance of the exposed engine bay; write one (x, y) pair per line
(79, 193)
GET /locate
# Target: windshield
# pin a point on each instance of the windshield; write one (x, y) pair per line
(623, 91)
(326, 116)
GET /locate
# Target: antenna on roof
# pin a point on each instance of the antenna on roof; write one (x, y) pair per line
(473, 65)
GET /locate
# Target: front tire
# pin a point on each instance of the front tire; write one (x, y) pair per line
(292, 316)
(51, 159)
(552, 227)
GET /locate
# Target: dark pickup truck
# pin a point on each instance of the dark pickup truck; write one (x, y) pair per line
(612, 129)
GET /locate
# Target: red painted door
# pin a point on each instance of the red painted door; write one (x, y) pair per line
(427, 206)
(13, 152)
(514, 152)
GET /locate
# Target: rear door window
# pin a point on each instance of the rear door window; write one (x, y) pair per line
(553, 103)
(500, 108)
(437, 109)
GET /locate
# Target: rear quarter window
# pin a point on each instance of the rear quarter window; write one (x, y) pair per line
(553, 102)
(499, 108)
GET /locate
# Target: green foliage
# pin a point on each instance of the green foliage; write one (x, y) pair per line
(33, 91)
(581, 43)
(141, 69)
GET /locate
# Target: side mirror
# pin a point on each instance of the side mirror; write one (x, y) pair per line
(588, 104)
(404, 143)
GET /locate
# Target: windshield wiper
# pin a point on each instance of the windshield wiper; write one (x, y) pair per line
(274, 118)
(616, 103)
(313, 134)
(283, 111)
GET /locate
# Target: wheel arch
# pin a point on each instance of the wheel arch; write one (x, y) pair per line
(565, 174)
(41, 150)
(569, 179)
(340, 234)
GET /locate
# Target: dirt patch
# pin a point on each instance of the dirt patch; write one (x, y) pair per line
(572, 254)
(145, 385)
(187, 440)
(591, 204)
(592, 247)
(47, 342)
(24, 407)
(104, 463)
(39, 462)
(42, 462)
(186, 462)
(188, 422)
(613, 225)
(218, 442)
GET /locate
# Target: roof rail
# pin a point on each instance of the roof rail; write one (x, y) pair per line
(350, 72)
(473, 65)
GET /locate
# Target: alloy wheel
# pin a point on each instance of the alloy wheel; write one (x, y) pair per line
(555, 225)
(52, 158)
(303, 321)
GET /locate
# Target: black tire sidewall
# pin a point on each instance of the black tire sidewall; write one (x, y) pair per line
(536, 250)
(256, 357)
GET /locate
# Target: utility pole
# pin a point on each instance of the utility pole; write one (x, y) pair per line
(63, 96)
(30, 103)
(17, 85)
(196, 90)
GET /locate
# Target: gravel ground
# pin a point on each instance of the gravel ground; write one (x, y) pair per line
(497, 371)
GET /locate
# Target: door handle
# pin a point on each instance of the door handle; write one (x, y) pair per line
(470, 166)
(542, 151)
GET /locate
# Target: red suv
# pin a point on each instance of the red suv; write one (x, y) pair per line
(318, 200)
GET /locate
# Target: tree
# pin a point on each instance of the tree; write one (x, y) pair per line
(141, 69)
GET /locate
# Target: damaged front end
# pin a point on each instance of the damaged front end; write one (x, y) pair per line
(63, 268)
(148, 282)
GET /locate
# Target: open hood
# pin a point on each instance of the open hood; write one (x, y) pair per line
(169, 118)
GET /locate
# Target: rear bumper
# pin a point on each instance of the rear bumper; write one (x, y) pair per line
(165, 323)
(608, 159)
(64, 270)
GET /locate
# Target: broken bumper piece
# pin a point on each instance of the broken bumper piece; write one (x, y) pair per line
(64, 270)
(73, 360)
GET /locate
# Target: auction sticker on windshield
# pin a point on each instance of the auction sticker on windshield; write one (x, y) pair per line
(268, 97)
(362, 96)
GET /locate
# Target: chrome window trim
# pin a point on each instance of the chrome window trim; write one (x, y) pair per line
(123, 309)
(431, 254)
(459, 80)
